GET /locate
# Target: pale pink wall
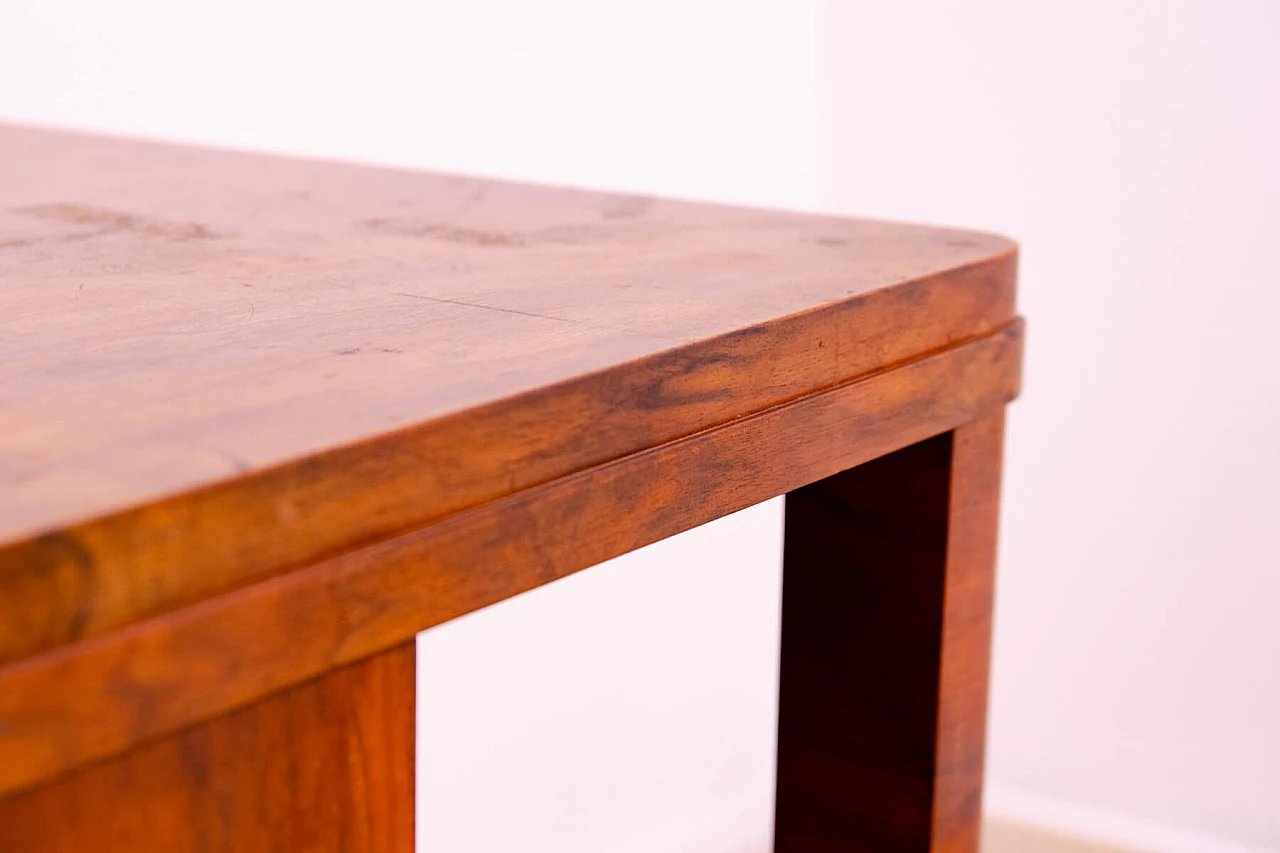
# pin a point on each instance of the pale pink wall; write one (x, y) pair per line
(1134, 149)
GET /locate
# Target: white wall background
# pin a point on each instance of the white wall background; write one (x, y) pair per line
(1131, 147)
(1134, 149)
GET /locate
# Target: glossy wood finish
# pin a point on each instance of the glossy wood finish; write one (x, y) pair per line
(262, 420)
(886, 629)
(169, 671)
(324, 767)
(194, 342)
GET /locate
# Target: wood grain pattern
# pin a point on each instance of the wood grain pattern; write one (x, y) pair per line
(326, 767)
(964, 670)
(264, 419)
(888, 573)
(172, 670)
(216, 366)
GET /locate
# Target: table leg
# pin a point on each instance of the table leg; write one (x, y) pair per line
(323, 766)
(886, 630)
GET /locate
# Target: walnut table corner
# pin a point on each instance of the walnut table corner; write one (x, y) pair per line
(263, 419)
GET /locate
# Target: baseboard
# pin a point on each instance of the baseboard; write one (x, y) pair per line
(1020, 822)
(1007, 836)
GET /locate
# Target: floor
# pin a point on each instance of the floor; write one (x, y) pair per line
(1000, 836)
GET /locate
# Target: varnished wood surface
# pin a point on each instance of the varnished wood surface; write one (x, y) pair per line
(886, 628)
(965, 664)
(326, 767)
(215, 367)
(262, 420)
(172, 670)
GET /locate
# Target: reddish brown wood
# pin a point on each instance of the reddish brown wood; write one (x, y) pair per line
(266, 418)
(977, 454)
(888, 571)
(204, 659)
(314, 355)
(325, 766)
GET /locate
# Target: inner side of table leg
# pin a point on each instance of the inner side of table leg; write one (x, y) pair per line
(888, 574)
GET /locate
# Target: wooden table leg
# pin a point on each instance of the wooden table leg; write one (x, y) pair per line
(886, 630)
(323, 767)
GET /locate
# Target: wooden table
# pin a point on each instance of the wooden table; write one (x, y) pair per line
(264, 419)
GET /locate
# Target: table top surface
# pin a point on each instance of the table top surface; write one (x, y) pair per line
(172, 316)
